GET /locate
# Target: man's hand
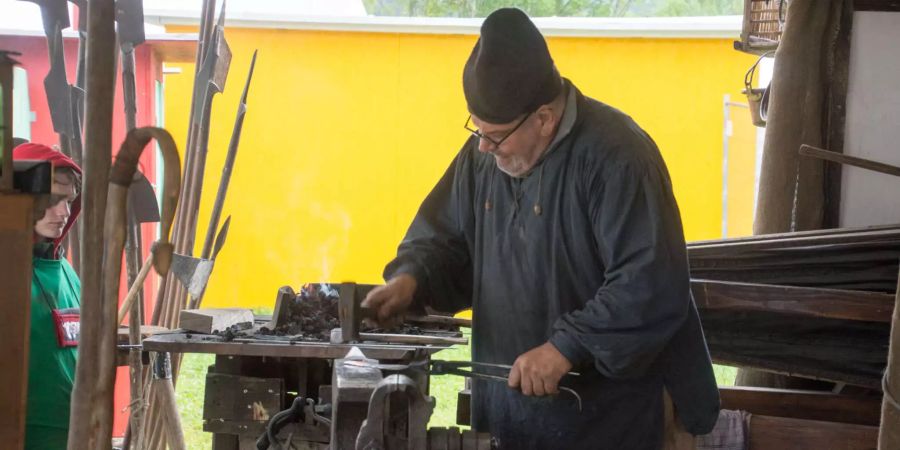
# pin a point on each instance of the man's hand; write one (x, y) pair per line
(538, 371)
(391, 300)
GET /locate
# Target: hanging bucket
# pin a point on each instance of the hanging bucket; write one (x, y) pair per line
(757, 98)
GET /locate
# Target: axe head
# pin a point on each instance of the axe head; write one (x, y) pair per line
(130, 17)
(192, 272)
(213, 71)
(223, 52)
(53, 13)
(142, 200)
(59, 93)
(82, 16)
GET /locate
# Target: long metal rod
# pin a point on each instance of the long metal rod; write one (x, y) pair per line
(90, 424)
(809, 150)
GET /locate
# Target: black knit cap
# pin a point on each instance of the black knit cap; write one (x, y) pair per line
(510, 71)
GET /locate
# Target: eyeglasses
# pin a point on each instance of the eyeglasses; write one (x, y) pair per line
(477, 133)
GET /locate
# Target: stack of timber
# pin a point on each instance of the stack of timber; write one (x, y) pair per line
(811, 304)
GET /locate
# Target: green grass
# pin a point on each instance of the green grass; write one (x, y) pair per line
(444, 388)
(189, 392)
(725, 375)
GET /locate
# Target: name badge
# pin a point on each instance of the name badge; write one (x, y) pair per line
(68, 326)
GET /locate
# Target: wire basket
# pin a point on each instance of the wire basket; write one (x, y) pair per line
(763, 24)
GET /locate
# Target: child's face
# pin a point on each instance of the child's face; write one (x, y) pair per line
(57, 214)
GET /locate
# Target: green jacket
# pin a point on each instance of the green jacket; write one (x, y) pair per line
(51, 373)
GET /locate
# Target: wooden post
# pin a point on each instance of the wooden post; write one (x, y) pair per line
(889, 433)
(90, 425)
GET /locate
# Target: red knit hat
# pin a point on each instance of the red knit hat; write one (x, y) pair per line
(40, 152)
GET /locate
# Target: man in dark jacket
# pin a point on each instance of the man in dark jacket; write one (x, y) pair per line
(556, 223)
(55, 303)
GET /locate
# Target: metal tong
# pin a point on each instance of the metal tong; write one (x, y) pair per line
(478, 370)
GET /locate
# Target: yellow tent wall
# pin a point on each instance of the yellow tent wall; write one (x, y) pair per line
(346, 132)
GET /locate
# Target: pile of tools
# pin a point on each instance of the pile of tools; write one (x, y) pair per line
(81, 113)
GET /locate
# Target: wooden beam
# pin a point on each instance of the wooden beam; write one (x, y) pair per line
(889, 436)
(771, 359)
(768, 432)
(838, 79)
(229, 397)
(16, 240)
(803, 301)
(790, 240)
(876, 5)
(810, 405)
(91, 416)
(793, 234)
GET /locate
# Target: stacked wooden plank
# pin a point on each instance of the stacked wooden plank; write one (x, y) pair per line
(812, 304)
(859, 259)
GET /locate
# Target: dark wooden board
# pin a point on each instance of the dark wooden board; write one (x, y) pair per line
(810, 405)
(846, 351)
(833, 236)
(240, 398)
(767, 433)
(871, 266)
(803, 301)
(876, 5)
(464, 407)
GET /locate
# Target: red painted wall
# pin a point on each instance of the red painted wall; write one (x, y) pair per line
(148, 69)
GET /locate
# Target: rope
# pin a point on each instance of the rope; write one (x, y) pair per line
(136, 402)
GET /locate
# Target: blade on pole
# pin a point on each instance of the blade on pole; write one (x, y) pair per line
(130, 17)
(227, 168)
(59, 95)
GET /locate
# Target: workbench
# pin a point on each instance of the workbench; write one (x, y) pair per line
(253, 379)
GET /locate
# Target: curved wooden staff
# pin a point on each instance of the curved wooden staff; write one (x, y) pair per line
(92, 417)
(120, 179)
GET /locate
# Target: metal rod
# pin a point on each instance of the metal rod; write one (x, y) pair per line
(808, 150)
